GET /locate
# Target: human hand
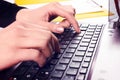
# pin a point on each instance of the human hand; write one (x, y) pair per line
(24, 41)
(44, 15)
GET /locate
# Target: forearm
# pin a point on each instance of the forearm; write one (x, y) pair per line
(8, 13)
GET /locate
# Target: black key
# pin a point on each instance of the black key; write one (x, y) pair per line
(91, 30)
(57, 74)
(86, 40)
(63, 46)
(93, 42)
(39, 78)
(84, 25)
(68, 78)
(84, 44)
(67, 55)
(92, 45)
(89, 33)
(64, 61)
(81, 77)
(83, 29)
(70, 50)
(73, 46)
(17, 77)
(83, 70)
(100, 26)
(67, 42)
(54, 61)
(42, 76)
(57, 56)
(98, 30)
(77, 38)
(47, 67)
(22, 68)
(82, 48)
(54, 79)
(62, 51)
(75, 41)
(31, 72)
(87, 37)
(72, 71)
(20, 71)
(79, 53)
(90, 49)
(26, 63)
(60, 67)
(96, 36)
(92, 26)
(94, 39)
(87, 59)
(28, 76)
(81, 33)
(89, 54)
(97, 33)
(85, 65)
(77, 58)
(67, 38)
(63, 42)
(75, 64)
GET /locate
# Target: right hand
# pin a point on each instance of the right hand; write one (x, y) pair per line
(45, 14)
(24, 41)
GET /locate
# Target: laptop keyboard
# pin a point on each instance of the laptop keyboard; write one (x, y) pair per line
(73, 63)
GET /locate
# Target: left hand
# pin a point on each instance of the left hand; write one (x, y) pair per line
(44, 15)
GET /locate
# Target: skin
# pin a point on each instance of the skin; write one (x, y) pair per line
(44, 15)
(19, 44)
(31, 38)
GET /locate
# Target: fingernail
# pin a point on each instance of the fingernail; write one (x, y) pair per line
(60, 29)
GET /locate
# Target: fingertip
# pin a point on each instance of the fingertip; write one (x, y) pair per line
(78, 30)
(56, 44)
(41, 65)
(59, 30)
(42, 62)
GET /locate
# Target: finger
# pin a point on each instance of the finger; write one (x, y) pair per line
(49, 26)
(47, 50)
(55, 44)
(41, 60)
(28, 54)
(33, 38)
(53, 27)
(69, 8)
(63, 13)
(65, 23)
(31, 54)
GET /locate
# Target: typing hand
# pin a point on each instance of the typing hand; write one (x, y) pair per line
(24, 41)
(44, 15)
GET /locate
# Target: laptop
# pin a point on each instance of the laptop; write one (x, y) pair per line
(107, 66)
(83, 56)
